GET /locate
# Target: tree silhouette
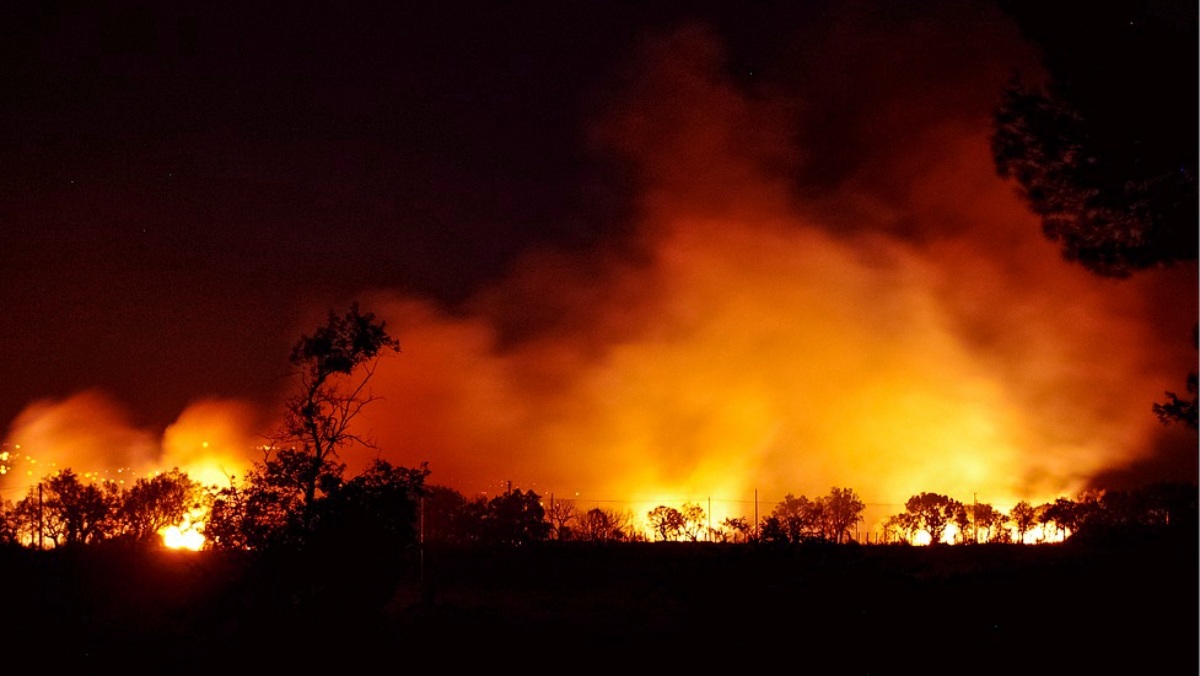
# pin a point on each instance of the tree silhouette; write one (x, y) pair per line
(732, 529)
(1065, 514)
(1024, 517)
(900, 527)
(1170, 504)
(963, 519)
(932, 513)
(1176, 409)
(226, 525)
(561, 514)
(693, 521)
(300, 479)
(1154, 508)
(9, 525)
(443, 512)
(991, 522)
(377, 509)
(1106, 153)
(667, 523)
(603, 525)
(1047, 517)
(800, 518)
(772, 531)
(278, 511)
(333, 367)
(842, 508)
(154, 503)
(514, 518)
(70, 511)
(981, 522)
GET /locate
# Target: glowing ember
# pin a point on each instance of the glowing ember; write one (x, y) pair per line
(905, 328)
(178, 537)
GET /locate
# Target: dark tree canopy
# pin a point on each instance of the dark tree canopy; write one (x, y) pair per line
(1181, 410)
(333, 367)
(603, 525)
(156, 502)
(298, 495)
(378, 508)
(341, 345)
(1106, 153)
(932, 513)
(513, 518)
(666, 522)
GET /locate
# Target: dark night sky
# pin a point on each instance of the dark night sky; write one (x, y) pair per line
(180, 179)
(183, 184)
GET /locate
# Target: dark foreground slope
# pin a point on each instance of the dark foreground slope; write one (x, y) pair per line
(1115, 607)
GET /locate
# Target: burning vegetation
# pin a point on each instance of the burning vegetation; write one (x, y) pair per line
(763, 325)
(299, 494)
(397, 505)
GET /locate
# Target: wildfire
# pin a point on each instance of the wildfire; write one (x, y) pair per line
(757, 343)
(904, 329)
(187, 535)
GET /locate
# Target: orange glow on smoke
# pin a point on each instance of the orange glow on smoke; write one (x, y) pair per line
(212, 441)
(905, 328)
(760, 344)
(87, 432)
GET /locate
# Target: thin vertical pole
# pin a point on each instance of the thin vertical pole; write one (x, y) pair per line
(421, 547)
(756, 513)
(975, 517)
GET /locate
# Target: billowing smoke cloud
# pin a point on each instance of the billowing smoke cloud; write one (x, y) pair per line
(908, 330)
(214, 441)
(87, 432)
(777, 321)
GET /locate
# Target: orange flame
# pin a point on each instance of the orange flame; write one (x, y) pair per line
(905, 328)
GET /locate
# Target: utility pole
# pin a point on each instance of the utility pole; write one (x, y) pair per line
(41, 530)
(709, 518)
(755, 529)
(975, 516)
(421, 547)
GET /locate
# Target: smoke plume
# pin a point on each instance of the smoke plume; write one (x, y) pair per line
(825, 284)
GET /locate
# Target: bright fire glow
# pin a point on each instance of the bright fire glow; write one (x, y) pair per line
(176, 537)
(187, 535)
(761, 345)
(211, 441)
(903, 328)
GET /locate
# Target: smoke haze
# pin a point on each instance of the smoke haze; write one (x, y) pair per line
(823, 283)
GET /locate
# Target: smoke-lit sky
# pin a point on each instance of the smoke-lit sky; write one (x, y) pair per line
(634, 251)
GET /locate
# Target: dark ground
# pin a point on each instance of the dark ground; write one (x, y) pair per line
(1104, 608)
